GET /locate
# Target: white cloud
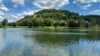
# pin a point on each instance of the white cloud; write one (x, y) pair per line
(86, 6)
(2, 15)
(2, 6)
(13, 16)
(87, 1)
(19, 2)
(95, 12)
(3, 9)
(21, 15)
(29, 12)
(47, 4)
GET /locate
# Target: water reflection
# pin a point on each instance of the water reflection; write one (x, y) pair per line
(26, 42)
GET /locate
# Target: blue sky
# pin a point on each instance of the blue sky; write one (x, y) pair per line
(16, 9)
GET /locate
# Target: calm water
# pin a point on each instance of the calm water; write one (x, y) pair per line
(26, 42)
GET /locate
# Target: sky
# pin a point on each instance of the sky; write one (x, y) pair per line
(16, 9)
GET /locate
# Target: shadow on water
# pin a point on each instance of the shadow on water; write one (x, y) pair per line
(70, 36)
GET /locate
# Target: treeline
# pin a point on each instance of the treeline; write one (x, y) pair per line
(53, 17)
(4, 23)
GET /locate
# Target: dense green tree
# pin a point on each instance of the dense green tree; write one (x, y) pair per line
(93, 22)
(0, 24)
(74, 23)
(13, 24)
(4, 22)
(56, 24)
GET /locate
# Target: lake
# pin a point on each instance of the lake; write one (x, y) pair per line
(29, 42)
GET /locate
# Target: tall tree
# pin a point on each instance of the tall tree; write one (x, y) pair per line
(4, 22)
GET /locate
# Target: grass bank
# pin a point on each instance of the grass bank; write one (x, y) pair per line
(59, 28)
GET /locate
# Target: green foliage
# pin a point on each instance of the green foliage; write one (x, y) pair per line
(13, 24)
(91, 18)
(4, 22)
(53, 17)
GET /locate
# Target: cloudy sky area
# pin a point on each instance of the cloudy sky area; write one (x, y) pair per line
(16, 9)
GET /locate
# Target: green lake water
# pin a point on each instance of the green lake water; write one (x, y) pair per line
(29, 42)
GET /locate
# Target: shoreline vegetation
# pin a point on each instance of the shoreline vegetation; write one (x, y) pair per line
(55, 19)
(57, 29)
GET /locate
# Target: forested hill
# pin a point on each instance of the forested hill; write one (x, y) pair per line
(51, 17)
(56, 14)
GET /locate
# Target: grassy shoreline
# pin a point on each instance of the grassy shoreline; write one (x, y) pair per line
(52, 28)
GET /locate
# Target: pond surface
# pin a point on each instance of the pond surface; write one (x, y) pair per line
(27, 42)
